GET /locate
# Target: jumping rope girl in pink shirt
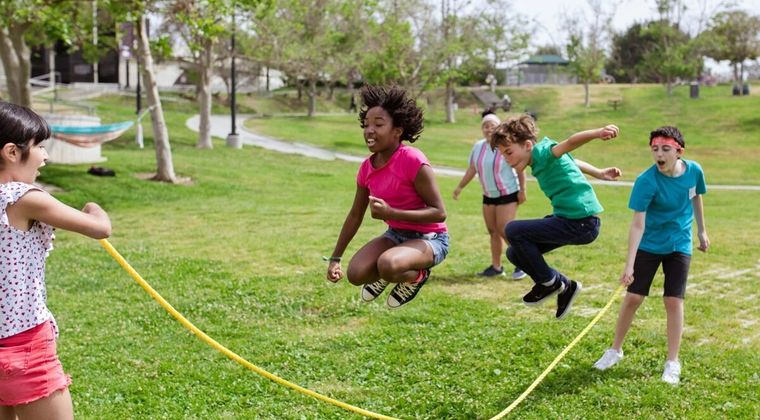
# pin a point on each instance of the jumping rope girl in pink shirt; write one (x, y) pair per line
(398, 185)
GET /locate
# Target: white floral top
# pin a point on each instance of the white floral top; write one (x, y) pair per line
(22, 268)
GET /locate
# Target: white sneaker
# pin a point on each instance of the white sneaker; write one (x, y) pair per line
(609, 359)
(672, 373)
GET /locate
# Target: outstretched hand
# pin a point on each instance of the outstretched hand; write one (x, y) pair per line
(608, 132)
(610, 174)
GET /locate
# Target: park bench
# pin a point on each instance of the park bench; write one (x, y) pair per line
(615, 103)
(491, 101)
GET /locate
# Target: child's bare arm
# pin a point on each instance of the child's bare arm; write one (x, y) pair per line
(351, 225)
(522, 196)
(92, 221)
(605, 174)
(699, 216)
(579, 139)
(468, 175)
(634, 240)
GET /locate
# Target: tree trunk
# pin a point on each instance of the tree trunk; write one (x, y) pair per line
(24, 62)
(587, 101)
(737, 81)
(741, 78)
(312, 93)
(669, 84)
(165, 170)
(10, 65)
(450, 101)
(204, 98)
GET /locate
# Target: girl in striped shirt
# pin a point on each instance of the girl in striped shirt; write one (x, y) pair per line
(503, 190)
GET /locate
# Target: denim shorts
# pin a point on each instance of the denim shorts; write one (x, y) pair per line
(438, 241)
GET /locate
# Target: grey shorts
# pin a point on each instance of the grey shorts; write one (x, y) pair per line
(438, 241)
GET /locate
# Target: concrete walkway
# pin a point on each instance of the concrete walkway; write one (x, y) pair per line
(221, 125)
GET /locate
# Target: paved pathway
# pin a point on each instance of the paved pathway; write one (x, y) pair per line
(221, 125)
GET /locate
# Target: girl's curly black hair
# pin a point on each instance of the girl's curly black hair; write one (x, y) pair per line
(403, 110)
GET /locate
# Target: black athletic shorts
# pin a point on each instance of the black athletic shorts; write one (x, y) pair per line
(675, 266)
(504, 199)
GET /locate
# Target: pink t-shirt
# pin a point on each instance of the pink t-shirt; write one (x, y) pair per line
(394, 183)
(22, 268)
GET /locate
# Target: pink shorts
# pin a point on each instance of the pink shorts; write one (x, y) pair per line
(29, 366)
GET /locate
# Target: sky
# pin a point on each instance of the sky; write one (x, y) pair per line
(547, 15)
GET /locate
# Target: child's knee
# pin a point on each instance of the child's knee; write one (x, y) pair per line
(672, 302)
(510, 232)
(633, 300)
(356, 274)
(511, 256)
(388, 266)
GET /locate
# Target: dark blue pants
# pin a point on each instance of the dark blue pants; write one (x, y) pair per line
(530, 239)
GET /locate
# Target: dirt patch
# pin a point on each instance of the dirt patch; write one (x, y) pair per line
(149, 176)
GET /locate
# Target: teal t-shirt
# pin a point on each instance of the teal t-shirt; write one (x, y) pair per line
(667, 203)
(563, 182)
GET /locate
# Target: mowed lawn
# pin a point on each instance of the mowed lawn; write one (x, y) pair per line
(238, 251)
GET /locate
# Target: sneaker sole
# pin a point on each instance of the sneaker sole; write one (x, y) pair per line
(361, 295)
(538, 302)
(519, 277)
(572, 299)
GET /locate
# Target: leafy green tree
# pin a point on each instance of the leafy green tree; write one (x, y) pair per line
(401, 46)
(585, 48)
(673, 56)
(205, 26)
(306, 39)
(201, 25)
(25, 24)
(628, 49)
(503, 33)
(733, 36)
(135, 12)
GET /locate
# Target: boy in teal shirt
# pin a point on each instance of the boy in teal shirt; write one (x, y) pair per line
(575, 206)
(666, 199)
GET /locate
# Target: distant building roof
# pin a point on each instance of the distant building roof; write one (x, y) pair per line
(546, 59)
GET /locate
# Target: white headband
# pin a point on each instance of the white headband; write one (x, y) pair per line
(491, 117)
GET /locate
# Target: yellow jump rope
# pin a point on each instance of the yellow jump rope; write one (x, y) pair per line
(213, 343)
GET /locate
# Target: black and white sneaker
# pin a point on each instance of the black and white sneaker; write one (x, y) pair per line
(565, 299)
(403, 293)
(371, 291)
(540, 293)
(490, 271)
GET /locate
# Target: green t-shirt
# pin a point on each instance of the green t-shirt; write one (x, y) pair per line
(563, 182)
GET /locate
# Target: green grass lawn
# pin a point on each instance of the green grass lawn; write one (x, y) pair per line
(239, 253)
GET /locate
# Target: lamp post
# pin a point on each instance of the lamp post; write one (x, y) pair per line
(233, 140)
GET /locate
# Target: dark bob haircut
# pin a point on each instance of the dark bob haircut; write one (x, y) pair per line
(21, 126)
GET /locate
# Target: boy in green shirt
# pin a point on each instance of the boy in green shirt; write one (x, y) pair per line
(575, 206)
